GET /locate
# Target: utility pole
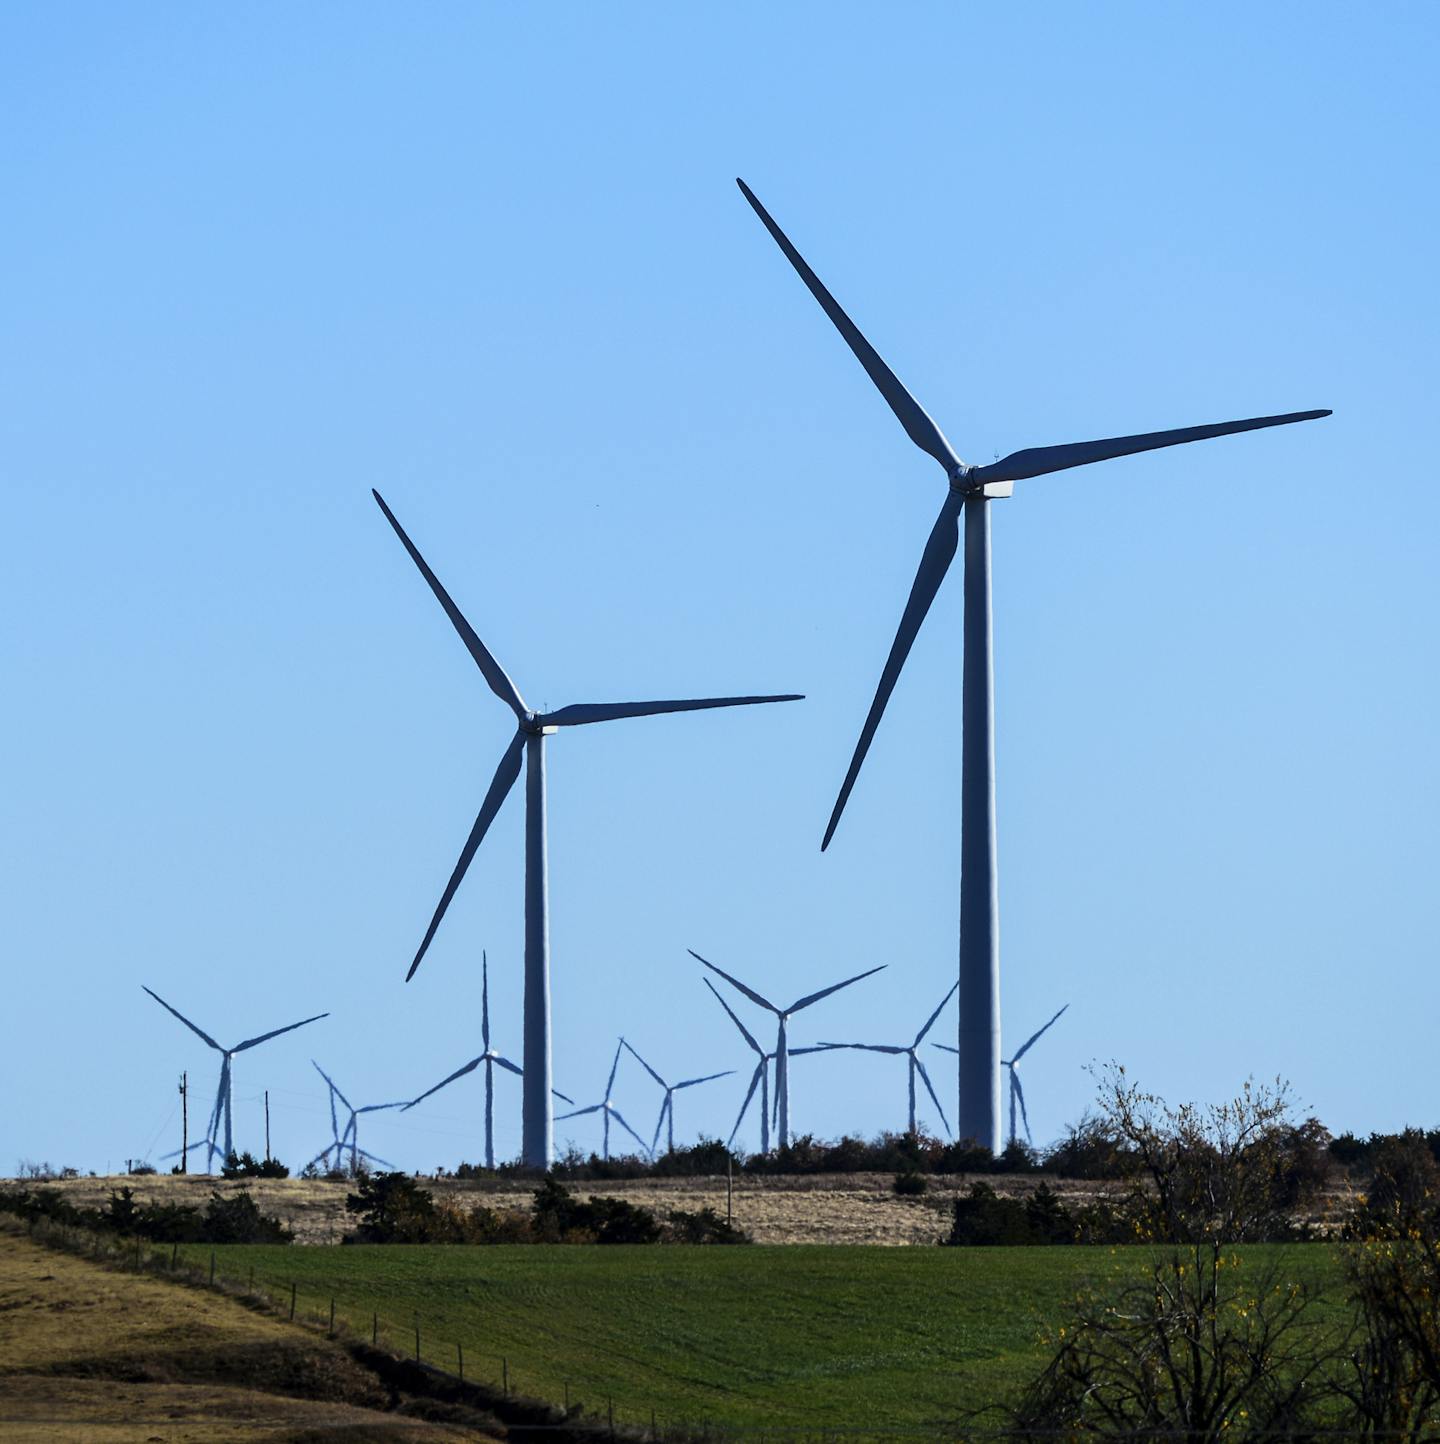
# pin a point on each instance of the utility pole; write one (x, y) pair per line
(267, 1125)
(184, 1122)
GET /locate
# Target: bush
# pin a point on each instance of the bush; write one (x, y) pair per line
(703, 1226)
(910, 1184)
(247, 1166)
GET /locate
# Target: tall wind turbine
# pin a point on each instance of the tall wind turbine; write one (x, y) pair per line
(491, 1059)
(782, 1068)
(912, 1058)
(350, 1137)
(1017, 1093)
(608, 1109)
(667, 1108)
(223, 1109)
(760, 1078)
(532, 728)
(970, 489)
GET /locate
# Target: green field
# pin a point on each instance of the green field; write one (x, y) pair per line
(807, 1337)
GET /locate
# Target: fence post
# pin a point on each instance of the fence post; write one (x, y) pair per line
(332, 1314)
(251, 1285)
(610, 1408)
(212, 1268)
(505, 1375)
(460, 1353)
(174, 1254)
(374, 1330)
(417, 1338)
(652, 1422)
(292, 1300)
(137, 1255)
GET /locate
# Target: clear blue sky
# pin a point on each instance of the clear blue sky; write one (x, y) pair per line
(491, 259)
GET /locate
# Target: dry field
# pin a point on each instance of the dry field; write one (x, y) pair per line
(90, 1353)
(800, 1208)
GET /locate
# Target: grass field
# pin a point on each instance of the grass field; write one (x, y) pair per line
(803, 1337)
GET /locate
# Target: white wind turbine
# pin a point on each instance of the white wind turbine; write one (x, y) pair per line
(912, 1059)
(532, 728)
(760, 1078)
(782, 1070)
(1017, 1093)
(667, 1108)
(966, 508)
(608, 1109)
(492, 1060)
(350, 1137)
(224, 1100)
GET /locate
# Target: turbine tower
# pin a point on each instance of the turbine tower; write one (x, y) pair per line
(970, 489)
(608, 1109)
(491, 1059)
(912, 1057)
(350, 1138)
(667, 1108)
(782, 1069)
(760, 1078)
(532, 728)
(223, 1109)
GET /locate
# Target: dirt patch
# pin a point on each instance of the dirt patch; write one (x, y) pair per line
(95, 1354)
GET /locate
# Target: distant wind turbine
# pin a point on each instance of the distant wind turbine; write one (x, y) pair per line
(760, 1078)
(491, 1059)
(782, 1070)
(607, 1109)
(532, 728)
(667, 1108)
(1017, 1093)
(912, 1058)
(970, 489)
(223, 1109)
(350, 1137)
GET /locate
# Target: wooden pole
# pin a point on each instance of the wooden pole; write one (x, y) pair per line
(417, 1338)
(374, 1330)
(292, 1299)
(267, 1125)
(184, 1122)
(460, 1355)
(729, 1189)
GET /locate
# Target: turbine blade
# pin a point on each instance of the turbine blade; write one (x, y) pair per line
(579, 1112)
(744, 1107)
(1025, 1047)
(934, 563)
(1040, 460)
(276, 1032)
(817, 1048)
(930, 1022)
(199, 1032)
(934, 1098)
(374, 1158)
(610, 1085)
(485, 1000)
(834, 988)
(912, 416)
(490, 669)
(862, 1047)
(744, 1031)
(470, 1067)
(618, 1117)
(659, 1124)
(580, 713)
(500, 785)
(379, 1107)
(333, 1089)
(561, 1096)
(708, 1078)
(947, 1047)
(514, 1068)
(735, 982)
(646, 1067)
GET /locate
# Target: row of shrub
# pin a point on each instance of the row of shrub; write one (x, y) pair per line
(232, 1218)
(393, 1208)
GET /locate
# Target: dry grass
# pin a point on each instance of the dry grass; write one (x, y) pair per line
(797, 1208)
(89, 1353)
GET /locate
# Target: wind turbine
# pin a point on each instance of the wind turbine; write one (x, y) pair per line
(912, 1058)
(667, 1108)
(760, 1078)
(970, 489)
(350, 1138)
(223, 1094)
(782, 1069)
(609, 1110)
(531, 731)
(1017, 1093)
(491, 1059)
